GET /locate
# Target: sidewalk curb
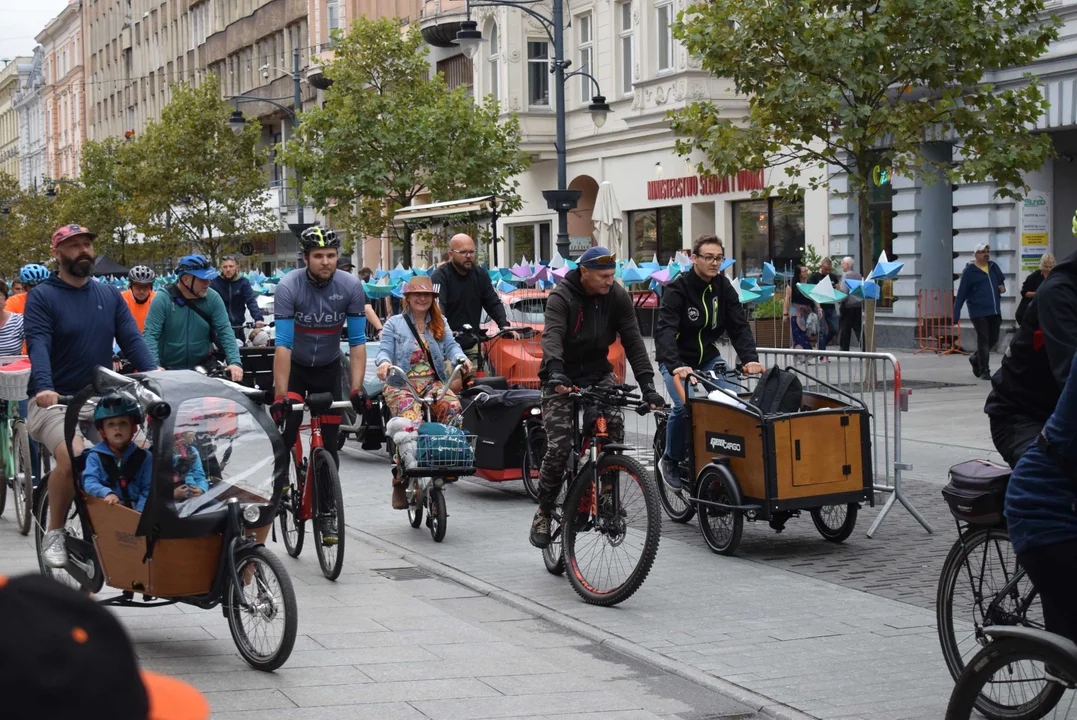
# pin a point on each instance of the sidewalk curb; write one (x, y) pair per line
(765, 706)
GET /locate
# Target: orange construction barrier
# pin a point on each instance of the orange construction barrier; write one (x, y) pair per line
(936, 330)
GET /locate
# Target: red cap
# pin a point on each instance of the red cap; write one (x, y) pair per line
(69, 231)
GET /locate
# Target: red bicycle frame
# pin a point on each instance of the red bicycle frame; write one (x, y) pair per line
(315, 427)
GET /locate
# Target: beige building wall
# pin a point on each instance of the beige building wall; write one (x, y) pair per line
(64, 95)
(9, 121)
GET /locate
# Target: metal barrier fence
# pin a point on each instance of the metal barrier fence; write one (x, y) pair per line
(872, 378)
(936, 330)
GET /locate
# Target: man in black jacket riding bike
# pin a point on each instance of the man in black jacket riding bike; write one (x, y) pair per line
(697, 308)
(585, 314)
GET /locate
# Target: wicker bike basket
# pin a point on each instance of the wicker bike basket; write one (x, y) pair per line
(14, 377)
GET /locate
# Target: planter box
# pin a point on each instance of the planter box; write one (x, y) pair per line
(768, 332)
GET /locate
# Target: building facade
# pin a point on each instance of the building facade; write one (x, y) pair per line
(64, 96)
(10, 75)
(643, 72)
(30, 109)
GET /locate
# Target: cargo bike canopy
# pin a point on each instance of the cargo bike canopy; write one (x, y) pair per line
(202, 433)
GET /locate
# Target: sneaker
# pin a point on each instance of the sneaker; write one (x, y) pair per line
(985, 374)
(540, 530)
(975, 365)
(329, 531)
(53, 549)
(671, 473)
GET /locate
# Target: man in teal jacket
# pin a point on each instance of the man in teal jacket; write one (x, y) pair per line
(186, 319)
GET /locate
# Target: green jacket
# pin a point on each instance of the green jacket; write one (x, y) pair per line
(179, 339)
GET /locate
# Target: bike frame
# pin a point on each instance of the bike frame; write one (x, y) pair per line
(1008, 590)
(306, 507)
(586, 456)
(6, 439)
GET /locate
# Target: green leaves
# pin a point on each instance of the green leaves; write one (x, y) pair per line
(387, 133)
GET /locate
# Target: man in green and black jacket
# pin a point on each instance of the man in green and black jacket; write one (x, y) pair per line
(697, 308)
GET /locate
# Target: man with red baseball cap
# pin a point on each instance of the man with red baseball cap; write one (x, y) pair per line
(70, 323)
(64, 656)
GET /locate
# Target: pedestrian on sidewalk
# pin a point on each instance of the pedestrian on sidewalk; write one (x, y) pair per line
(1032, 284)
(798, 308)
(828, 314)
(852, 310)
(981, 287)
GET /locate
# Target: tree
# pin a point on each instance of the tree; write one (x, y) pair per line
(101, 204)
(850, 86)
(387, 134)
(199, 186)
(27, 221)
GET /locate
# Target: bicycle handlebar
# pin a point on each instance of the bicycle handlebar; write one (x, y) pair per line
(524, 331)
(419, 397)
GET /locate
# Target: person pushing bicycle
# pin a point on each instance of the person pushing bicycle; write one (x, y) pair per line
(585, 314)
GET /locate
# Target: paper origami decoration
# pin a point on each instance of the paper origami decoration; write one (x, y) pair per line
(769, 273)
(885, 269)
(822, 292)
(865, 290)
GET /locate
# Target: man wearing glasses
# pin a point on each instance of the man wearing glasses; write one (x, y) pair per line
(465, 292)
(697, 308)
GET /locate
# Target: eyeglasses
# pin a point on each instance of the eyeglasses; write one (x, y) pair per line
(711, 259)
(465, 253)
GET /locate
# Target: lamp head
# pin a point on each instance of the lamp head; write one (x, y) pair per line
(469, 38)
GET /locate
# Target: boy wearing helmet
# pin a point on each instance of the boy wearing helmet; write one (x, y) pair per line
(140, 294)
(116, 469)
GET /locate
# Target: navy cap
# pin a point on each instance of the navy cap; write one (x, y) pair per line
(598, 258)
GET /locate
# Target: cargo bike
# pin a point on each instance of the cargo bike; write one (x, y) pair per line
(201, 549)
(749, 460)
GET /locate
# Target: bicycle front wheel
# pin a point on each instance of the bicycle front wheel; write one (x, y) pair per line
(264, 631)
(609, 550)
(292, 526)
(23, 484)
(1012, 673)
(328, 522)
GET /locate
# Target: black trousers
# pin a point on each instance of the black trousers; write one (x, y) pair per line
(850, 321)
(1012, 434)
(987, 331)
(305, 380)
(1053, 571)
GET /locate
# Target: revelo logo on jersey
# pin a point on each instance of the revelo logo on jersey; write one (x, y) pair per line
(324, 319)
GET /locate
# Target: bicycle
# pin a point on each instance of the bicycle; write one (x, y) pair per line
(312, 481)
(425, 487)
(597, 523)
(1032, 668)
(16, 461)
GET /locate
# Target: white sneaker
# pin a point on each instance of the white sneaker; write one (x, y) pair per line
(53, 549)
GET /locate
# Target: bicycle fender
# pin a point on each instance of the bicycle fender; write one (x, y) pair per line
(1056, 642)
(616, 447)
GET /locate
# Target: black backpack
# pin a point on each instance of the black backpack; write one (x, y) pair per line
(779, 391)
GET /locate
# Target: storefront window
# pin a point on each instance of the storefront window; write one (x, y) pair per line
(655, 232)
(770, 230)
(881, 212)
(522, 242)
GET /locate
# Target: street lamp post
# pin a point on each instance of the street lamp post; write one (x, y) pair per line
(237, 122)
(469, 38)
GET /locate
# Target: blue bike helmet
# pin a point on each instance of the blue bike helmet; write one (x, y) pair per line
(196, 265)
(114, 405)
(33, 274)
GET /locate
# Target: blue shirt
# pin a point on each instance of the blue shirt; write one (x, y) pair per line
(309, 319)
(980, 291)
(1041, 499)
(238, 298)
(69, 330)
(96, 482)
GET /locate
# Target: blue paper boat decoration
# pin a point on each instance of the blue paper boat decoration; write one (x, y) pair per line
(505, 287)
(865, 290)
(769, 273)
(822, 292)
(726, 264)
(885, 269)
(379, 273)
(376, 290)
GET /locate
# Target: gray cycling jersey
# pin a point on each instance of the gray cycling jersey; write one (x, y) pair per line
(312, 318)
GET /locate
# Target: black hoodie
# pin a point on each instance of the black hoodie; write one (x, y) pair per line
(1037, 362)
(693, 316)
(580, 329)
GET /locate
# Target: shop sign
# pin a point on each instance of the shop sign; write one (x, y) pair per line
(693, 185)
(1035, 229)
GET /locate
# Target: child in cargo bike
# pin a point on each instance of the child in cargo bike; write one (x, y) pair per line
(117, 470)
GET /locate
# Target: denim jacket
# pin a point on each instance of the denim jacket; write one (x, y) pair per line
(398, 343)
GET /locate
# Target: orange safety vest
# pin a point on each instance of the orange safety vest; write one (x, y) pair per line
(16, 303)
(139, 311)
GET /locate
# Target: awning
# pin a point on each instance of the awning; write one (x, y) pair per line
(106, 266)
(450, 207)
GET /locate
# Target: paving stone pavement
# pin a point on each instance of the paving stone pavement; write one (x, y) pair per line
(420, 648)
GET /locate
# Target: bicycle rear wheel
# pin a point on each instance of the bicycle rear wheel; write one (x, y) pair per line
(609, 557)
(328, 520)
(533, 451)
(22, 485)
(1010, 673)
(675, 505)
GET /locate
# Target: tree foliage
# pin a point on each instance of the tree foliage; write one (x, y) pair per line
(852, 85)
(199, 186)
(27, 221)
(387, 133)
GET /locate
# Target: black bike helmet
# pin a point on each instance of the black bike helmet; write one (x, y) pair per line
(314, 238)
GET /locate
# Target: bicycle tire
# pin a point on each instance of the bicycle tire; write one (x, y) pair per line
(717, 484)
(74, 527)
(331, 555)
(827, 530)
(23, 483)
(955, 569)
(675, 506)
(534, 450)
(292, 527)
(553, 555)
(271, 607)
(578, 494)
(7, 455)
(968, 692)
(437, 516)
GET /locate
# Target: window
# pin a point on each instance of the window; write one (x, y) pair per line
(586, 46)
(665, 37)
(492, 61)
(522, 241)
(628, 54)
(333, 10)
(457, 71)
(655, 232)
(881, 212)
(538, 73)
(769, 230)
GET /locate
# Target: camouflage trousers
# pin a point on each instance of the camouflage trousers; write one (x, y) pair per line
(557, 419)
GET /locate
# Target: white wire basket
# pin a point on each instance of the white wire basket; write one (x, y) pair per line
(13, 383)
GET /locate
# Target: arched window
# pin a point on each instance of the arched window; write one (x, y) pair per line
(493, 62)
